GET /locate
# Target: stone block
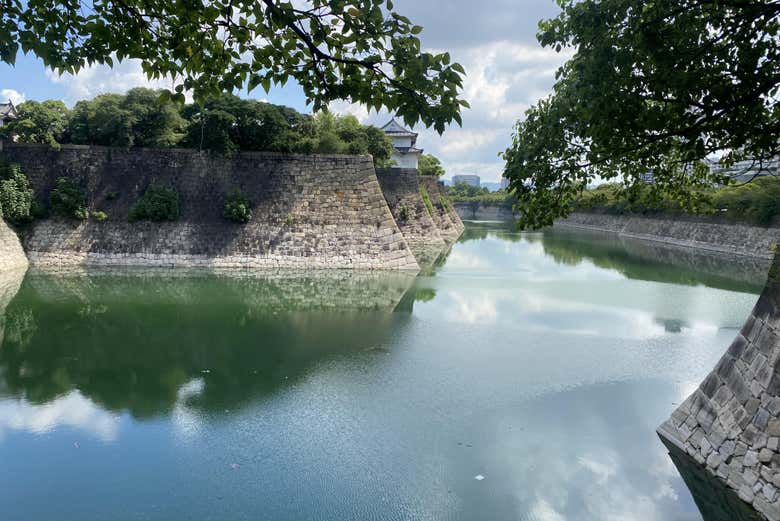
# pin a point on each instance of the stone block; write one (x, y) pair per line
(765, 455)
(773, 427)
(751, 458)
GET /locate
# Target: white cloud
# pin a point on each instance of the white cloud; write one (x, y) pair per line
(503, 79)
(15, 96)
(460, 142)
(101, 79)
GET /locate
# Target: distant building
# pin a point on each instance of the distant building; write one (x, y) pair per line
(404, 140)
(7, 112)
(647, 178)
(741, 171)
(747, 170)
(472, 180)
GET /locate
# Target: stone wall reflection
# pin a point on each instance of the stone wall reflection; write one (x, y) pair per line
(130, 340)
(715, 501)
(645, 260)
(10, 281)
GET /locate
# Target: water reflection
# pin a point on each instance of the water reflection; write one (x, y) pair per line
(131, 340)
(633, 258)
(10, 281)
(715, 501)
(542, 362)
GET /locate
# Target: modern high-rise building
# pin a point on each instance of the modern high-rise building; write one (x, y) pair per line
(472, 180)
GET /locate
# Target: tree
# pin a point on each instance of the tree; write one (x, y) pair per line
(379, 145)
(102, 121)
(211, 130)
(140, 118)
(652, 87)
(39, 122)
(430, 165)
(154, 123)
(462, 189)
(355, 50)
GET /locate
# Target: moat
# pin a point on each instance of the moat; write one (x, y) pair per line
(521, 376)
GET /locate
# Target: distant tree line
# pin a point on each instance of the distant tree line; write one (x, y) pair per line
(463, 192)
(225, 124)
(757, 202)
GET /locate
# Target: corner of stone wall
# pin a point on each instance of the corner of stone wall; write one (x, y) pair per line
(730, 425)
(12, 255)
(401, 189)
(445, 216)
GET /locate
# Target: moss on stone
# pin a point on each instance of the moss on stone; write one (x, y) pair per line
(774, 269)
(427, 200)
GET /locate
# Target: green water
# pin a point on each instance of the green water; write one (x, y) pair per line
(541, 363)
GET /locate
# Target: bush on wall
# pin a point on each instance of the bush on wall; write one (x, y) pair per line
(157, 204)
(67, 199)
(238, 207)
(16, 195)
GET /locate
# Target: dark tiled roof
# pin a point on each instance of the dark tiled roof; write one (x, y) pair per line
(393, 127)
(7, 110)
(409, 150)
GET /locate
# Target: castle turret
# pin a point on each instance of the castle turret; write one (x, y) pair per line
(404, 140)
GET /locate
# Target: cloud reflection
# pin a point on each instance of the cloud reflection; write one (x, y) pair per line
(72, 410)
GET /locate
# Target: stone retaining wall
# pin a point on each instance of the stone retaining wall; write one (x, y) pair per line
(310, 211)
(701, 233)
(401, 189)
(444, 215)
(11, 253)
(731, 423)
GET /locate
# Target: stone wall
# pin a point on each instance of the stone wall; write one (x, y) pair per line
(701, 233)
(311, 211)
(11, 253)
(481, 212)
(401, 189)
(731, 423)
(444, 215)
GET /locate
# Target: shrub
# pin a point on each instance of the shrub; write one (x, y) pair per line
(238, 208)
(68, 200)
(99, 216)
(404, 213)
(16, 195)
(157, 204)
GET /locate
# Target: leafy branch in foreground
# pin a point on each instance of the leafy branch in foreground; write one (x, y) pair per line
(652, 88)
(355, 50)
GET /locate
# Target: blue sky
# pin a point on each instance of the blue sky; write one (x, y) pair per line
(507, 71)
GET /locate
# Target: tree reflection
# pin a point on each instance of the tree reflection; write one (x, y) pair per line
(652, 261)
(130, 341)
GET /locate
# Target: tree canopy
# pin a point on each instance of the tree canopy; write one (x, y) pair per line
(361, 51)
(139, 118)
(653, 87)
(224, 124)
(428, 164)
(43, 122)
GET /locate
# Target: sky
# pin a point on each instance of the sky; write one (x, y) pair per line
(495, 40)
